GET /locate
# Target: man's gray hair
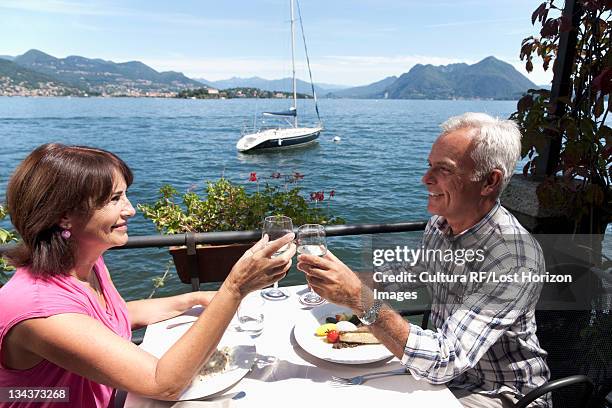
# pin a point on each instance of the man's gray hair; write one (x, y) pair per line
(497, 143)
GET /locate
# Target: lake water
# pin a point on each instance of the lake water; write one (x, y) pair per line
(375, 169)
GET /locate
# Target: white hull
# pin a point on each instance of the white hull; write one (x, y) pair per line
(278, 138)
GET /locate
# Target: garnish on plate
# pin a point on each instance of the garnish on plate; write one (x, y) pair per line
(344, 330)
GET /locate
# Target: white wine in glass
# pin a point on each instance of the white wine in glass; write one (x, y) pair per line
(311, 241)
(276, 226)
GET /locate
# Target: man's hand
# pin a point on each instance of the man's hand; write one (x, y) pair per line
(332, 279)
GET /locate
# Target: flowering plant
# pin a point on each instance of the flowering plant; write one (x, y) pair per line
(230, 207)
(5, 237)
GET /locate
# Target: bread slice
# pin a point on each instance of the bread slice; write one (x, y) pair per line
(360, 336)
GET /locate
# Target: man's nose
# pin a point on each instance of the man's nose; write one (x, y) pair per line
(427, 177)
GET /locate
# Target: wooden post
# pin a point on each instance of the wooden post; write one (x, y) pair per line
(548, 159)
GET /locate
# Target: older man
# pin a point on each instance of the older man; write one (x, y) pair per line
(484, 346)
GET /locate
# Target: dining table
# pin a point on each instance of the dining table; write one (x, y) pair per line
(284, 375)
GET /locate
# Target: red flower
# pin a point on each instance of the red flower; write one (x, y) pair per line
(313, 196)
(332, 193)
(253, 176)
(320, 196)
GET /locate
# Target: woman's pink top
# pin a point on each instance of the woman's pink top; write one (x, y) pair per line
(27, 297)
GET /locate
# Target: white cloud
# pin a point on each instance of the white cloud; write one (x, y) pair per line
(104, 9)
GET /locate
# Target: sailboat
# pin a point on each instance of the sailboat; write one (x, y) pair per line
(290, 135)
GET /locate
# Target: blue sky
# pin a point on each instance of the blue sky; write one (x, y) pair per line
(351, 42)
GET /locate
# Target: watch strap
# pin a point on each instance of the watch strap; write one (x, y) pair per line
(370, 315)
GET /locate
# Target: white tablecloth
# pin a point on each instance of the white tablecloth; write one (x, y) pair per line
(284, 375)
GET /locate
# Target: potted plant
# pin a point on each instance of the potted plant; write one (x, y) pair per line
(227, 206)
(5, 237)
(578, 186)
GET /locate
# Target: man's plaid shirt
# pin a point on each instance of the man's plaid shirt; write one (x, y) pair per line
(485, 337)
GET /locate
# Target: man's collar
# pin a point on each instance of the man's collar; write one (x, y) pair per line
(469, 236)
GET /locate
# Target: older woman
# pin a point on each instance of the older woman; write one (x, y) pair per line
(62, 322)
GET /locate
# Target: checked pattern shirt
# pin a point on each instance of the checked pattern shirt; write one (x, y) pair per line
(485, 330)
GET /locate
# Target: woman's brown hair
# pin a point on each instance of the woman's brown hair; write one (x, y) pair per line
(54, 181)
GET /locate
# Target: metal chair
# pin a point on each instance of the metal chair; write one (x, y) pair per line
(578, 342)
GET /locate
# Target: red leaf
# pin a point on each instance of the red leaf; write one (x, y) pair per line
(603, 81)
(524, 103)
(538, 13)
(550, 28)
(606, 152)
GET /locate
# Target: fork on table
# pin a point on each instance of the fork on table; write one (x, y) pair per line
(360, 379)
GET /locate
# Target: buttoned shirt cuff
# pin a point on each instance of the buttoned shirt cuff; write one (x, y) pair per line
(412, 345)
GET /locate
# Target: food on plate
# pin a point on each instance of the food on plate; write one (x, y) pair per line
(332, 336)
(345, 326)
(217, 363)
(362, 335)
(324, 328)
(344, 332)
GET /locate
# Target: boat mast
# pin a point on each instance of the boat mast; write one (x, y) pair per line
(293, 66)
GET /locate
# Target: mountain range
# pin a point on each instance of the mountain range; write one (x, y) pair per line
(487, 79)
(17, 80)
(278, 85)
(105, 77)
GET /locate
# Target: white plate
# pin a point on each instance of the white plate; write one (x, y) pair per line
(243, 356)
(304, 332)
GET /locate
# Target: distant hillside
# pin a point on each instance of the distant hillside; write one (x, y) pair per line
(17, 80)
(280, 85)
(365, 91)
(487, 79)
(230, 93)
(7, 57)
(105, 76)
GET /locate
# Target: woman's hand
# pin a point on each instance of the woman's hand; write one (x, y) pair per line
(257, 269)
(331, 279)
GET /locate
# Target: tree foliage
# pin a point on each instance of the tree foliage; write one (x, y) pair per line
(581, 180)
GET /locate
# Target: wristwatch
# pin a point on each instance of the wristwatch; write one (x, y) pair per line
(369, 316)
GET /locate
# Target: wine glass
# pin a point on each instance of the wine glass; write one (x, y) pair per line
(276, 226)
(311, 241)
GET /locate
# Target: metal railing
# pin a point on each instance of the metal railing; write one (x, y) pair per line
(229, 237)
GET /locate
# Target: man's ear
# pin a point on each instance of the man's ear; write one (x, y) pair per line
(492, 183)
